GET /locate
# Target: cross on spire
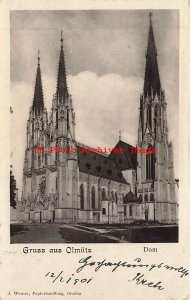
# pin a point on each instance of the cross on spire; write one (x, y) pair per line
(150, 15)
(61, 40)
(119, 134)
(38, 57)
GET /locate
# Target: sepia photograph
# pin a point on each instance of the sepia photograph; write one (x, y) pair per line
(94, 118)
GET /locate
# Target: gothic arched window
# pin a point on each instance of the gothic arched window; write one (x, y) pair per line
(67, 119)
(130, 210)
(149, 115)
(150, 164)
(103, 194)
(125, 210)
(116, 199)
(93, 193)
(157, 114)
(82, 196)
(103, 211)
(155, 128)
(56, 126)
(39, 160)
(151, 197)
(146, 197)
(140, 198)
(152, 159)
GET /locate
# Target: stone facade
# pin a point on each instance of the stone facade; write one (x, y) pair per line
(155, 172)
(75, 187)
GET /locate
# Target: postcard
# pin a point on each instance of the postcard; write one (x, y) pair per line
(95, 150)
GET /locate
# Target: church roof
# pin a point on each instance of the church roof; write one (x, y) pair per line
(152, 79)
(130, 198)
(126, 160)
(38, 100)
(99, 165)
(109, 167)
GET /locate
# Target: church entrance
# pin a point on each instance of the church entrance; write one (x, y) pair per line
(96, 217)
(52, 216)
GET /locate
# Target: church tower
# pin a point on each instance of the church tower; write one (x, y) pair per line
(34, 179)
(155, 170)
(62, 136)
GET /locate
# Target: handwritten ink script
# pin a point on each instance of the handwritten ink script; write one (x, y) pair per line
(72, 279)
(138, 278)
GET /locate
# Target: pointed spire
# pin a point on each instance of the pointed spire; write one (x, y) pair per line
(38, 58)
(62, 90)
(61, 40)
(152, 78)
(38, 100)
(119, 134)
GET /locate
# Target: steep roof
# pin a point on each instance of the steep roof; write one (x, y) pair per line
(126, 160)
(99, 165)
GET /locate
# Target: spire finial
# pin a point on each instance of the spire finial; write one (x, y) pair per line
(150, 15)
(61, 38)
(38, 57)
(119, 134)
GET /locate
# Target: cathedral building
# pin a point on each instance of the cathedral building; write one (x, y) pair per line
(81, 187)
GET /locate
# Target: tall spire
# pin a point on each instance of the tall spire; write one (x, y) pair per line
(38, 100)
(152, 79)
(62, 90)
(119, 134)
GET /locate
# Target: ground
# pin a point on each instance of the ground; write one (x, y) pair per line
(85, 233)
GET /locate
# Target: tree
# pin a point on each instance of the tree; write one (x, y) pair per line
(12, 190)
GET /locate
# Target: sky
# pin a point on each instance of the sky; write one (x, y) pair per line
(105, 62)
